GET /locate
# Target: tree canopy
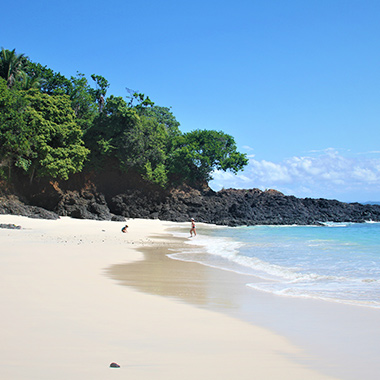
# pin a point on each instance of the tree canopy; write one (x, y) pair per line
(198, 153)
(57, 148)
(39, 135)
(53, 126)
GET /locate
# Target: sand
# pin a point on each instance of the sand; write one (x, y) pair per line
(65, 317)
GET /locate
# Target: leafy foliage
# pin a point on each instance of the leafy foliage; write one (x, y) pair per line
(83, 101)
(101, 86)
(58, 149)
(52, 83)
(138, 142)
(197, 154)
(15, 147)
(44, 116)
(38, 134)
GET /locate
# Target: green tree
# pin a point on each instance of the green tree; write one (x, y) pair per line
(158, 176)
(83, 101)
(103, 138)
(146, 144)
(55, 138)
(142, 101)
(11, 65)
(50, 81)
(137, 142)
(198, 153)
(164, 116)
(101, 90)
(15, 149)
(101, 85)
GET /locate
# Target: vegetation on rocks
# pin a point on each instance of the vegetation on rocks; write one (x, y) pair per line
(53, 127)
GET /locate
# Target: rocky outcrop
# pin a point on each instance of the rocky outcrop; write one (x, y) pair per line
(240, 207)
(110, 196)
(14, 206)
(46, 199)
(85, 205)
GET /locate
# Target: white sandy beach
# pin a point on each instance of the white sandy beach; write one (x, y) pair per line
(64, 318)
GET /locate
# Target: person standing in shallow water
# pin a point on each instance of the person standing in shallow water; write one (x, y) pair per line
(192, 229)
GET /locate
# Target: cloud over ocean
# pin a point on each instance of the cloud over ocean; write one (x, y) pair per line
(327, 173)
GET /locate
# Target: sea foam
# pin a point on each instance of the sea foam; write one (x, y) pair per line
(339, 264)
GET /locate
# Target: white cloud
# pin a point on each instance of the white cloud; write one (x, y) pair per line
(320, 174)
(266, 169)
(371, 152)
(365, 174)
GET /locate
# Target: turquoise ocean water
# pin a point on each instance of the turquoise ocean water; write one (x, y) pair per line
(335, 262)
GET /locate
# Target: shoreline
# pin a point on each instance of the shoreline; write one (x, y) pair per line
(339, 339)
(245, 206)
(64, 318)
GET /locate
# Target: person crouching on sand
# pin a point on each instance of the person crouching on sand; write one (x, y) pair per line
(124, 229)
(192, 229)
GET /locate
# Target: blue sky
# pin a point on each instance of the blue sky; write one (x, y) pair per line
(297, 83)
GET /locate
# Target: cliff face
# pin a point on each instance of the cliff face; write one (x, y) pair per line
(113, 195)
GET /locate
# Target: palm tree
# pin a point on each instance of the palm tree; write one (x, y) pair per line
(11, 65)
(27, 82)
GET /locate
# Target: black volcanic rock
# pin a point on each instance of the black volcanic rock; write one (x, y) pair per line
(111, 198)
(85, 205)
(14, 206)
(239, 207)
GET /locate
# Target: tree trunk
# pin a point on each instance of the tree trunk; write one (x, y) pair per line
(32, 175)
